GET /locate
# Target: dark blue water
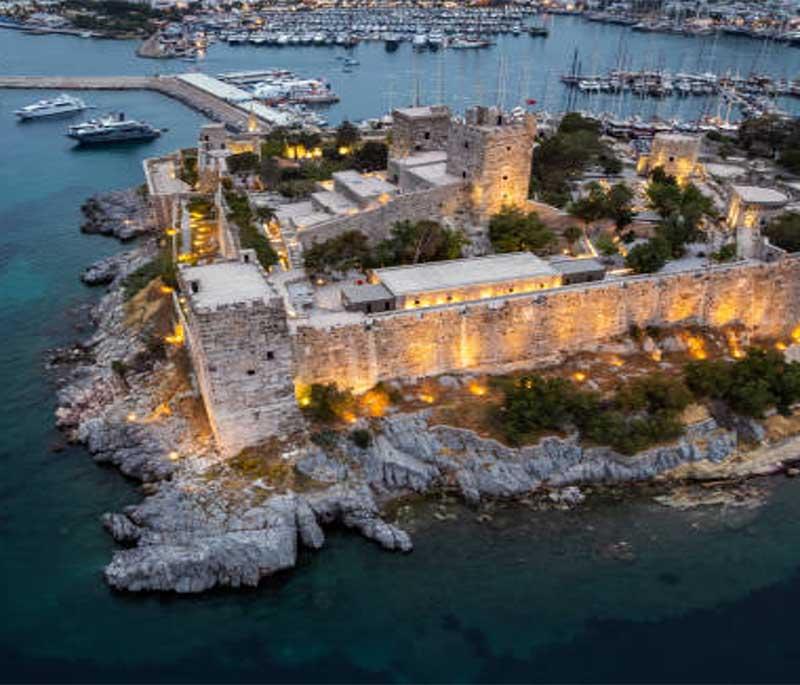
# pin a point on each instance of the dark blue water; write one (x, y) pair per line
(529, 597)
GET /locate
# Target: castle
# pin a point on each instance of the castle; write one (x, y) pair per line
(257, 341)
(456, 170)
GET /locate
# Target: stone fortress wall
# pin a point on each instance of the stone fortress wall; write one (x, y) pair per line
(521, 331)
(242, 356)
(377, 223)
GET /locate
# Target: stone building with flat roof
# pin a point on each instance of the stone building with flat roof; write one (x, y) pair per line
(750, 209)
(419, 129)
(239, 343)
(465, 280)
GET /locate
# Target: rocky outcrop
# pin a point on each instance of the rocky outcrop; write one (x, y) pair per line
(102, 272)
(194, 534)
(120, 213)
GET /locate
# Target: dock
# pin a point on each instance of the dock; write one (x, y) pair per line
(206, 96)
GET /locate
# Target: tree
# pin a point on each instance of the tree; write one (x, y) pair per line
(784, 231)
(242, 163)
(572, 234)
(341, 253)
(418, 242)
(605, 245)
(682, 209)
(590, 207)
(649, 257)
(618, 205)
(371, 156)
(512, 230)
(347, 135)
(565, 155)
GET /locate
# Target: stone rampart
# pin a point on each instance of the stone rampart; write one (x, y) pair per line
(377, 223)
(521, 331)
(243, 362)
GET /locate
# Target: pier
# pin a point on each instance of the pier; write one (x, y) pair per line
(201, 98)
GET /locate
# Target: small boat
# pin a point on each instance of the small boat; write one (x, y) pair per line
(59, 106)
(538, 32)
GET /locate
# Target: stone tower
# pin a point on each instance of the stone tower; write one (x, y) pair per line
(492, 152)
(676, 154)
(239, 343)
(419, 129)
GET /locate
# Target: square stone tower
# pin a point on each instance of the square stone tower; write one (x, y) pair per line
(419, 129)
(492, 152)
(239, 343)
(676, 153)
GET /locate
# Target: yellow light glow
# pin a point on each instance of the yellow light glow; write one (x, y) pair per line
(796, 334)
(131, 418)
(656, 355)
(177, 337)
(733, 345)
(579, 376)
(171, 232)
(696, 346)
(477, 388)
(174, 456)
(781, 346)
(616, 361)
(344, 150)
(375, 402)
(165, 289)
(427, 398)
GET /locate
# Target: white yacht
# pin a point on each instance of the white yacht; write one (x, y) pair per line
(112, 129)
(59, 106)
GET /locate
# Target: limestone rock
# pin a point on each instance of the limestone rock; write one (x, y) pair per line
(122, 529)
(101, 272)
(119, 213)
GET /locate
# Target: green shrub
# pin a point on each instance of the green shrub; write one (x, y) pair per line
(160, 267)
(784, 231)
(512, 230)
(643, 412)
(649, 257)
(327, 403)
(361, 438)
(726, 253)
(749, 386)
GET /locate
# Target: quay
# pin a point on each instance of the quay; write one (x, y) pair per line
(206, 95)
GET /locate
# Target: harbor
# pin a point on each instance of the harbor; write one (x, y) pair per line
(216, 99)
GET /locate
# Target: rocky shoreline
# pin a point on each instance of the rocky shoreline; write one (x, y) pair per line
(207, 522)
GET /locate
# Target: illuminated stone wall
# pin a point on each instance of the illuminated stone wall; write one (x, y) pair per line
(483, 291)
(242, 357)
(376, 223)
(676, 154)
(528, 330)
(416, 133)
(493, 158)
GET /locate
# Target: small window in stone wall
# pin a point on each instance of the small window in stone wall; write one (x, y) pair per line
(251, 372)
(427, 135)
(671, 159)
(463, 174)
(505, 178)
(508, 148)
(466, 144)
(416, 302)
(270, 355)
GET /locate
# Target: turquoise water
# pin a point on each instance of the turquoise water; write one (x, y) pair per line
(528, 597)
